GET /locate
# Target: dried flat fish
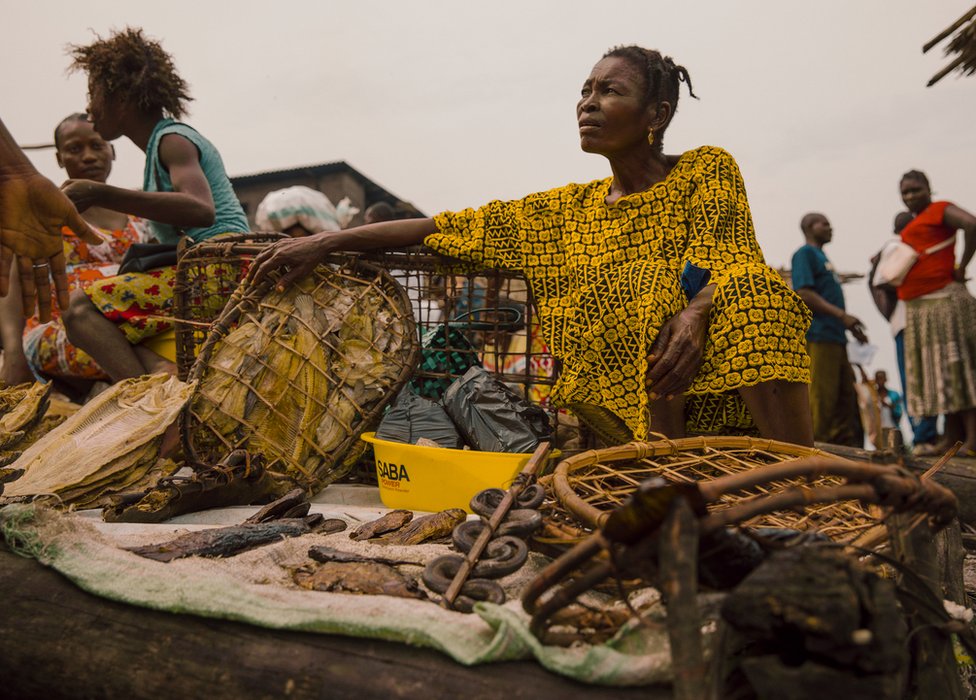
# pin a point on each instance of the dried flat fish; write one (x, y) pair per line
(21, 408)
(224, 541)
(393, 520)
(367, 578)
(427, 527)
(126, 423)
(321, 553)
(288, 506)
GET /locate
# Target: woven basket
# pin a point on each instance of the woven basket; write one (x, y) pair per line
(206, 276)
(589, 485)
(297, 375)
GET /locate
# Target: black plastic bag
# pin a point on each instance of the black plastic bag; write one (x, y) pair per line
(492, 417)
(412, 417)
(143, 257)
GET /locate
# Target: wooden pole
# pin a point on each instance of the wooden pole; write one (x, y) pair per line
(933, 672)
(678, 563)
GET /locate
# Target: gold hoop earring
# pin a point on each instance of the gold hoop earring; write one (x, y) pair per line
(650, 136)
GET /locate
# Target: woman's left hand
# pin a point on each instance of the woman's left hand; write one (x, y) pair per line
(676, 354)
(83, 193)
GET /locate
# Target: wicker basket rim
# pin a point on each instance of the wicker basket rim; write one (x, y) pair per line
(591, 515)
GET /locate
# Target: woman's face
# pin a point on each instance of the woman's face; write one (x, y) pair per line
(82, 152)
(104, 112)
(915, 194)
(611, 112)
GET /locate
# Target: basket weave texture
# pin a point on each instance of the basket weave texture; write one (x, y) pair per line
(589, 485)
(297, 375)
(206, 276)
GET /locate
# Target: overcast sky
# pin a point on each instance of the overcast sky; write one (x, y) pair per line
(448, 103)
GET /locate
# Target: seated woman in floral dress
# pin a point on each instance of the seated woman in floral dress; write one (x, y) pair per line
(46, 351)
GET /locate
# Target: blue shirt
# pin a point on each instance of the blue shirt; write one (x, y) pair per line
(812, 270)
(229, 215)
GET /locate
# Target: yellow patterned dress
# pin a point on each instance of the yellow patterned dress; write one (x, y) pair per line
(606, 277)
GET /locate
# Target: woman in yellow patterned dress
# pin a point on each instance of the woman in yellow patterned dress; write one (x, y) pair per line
(650, 286)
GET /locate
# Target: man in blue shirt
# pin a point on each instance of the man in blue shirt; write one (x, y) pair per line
(833, 399)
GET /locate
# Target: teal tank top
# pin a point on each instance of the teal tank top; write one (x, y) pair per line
(230, 217)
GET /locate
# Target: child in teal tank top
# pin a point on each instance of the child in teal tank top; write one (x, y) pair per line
(135, 91)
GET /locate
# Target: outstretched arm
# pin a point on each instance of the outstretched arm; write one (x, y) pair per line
(32, 213)
(299, 256)
(190, 205)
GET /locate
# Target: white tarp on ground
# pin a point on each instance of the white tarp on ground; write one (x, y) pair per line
(255, 587)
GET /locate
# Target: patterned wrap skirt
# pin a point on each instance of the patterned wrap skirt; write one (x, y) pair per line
(940, 352)
(139, 303)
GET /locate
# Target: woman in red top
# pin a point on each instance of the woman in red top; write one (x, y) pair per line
(940, 331)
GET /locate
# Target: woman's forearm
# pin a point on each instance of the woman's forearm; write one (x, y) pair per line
(969, 246)
(299, 256)
(701, 303)
(386, 234)
(174, 208)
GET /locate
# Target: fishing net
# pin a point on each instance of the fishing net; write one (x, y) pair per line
(587, 486)
(296, 376)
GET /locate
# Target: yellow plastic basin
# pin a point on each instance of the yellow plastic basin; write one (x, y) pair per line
(436, 478)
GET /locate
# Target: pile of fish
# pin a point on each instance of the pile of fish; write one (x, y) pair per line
(345, 572)
(23, 420)
(302, 372)
(110, 445)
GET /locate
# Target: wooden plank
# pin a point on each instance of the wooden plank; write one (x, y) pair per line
(56, 641)
(959, 475)
(933, 672)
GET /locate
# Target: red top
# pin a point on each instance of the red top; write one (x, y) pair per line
(932, 272)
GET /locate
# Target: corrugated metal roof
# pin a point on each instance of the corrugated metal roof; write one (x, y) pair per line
(374, 192)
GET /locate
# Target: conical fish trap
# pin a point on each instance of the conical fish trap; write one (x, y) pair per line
(590, 484)
(297, 375)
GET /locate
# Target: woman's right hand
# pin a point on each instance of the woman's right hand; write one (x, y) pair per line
(294, 257)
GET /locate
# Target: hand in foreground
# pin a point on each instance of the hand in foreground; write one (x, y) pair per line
(32, 213)
(296, 257)
(82, 193)
(854, 325)
(676, 354)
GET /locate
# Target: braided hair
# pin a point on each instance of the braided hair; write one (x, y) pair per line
(918, 176)
(661, 75)
(130, 66)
